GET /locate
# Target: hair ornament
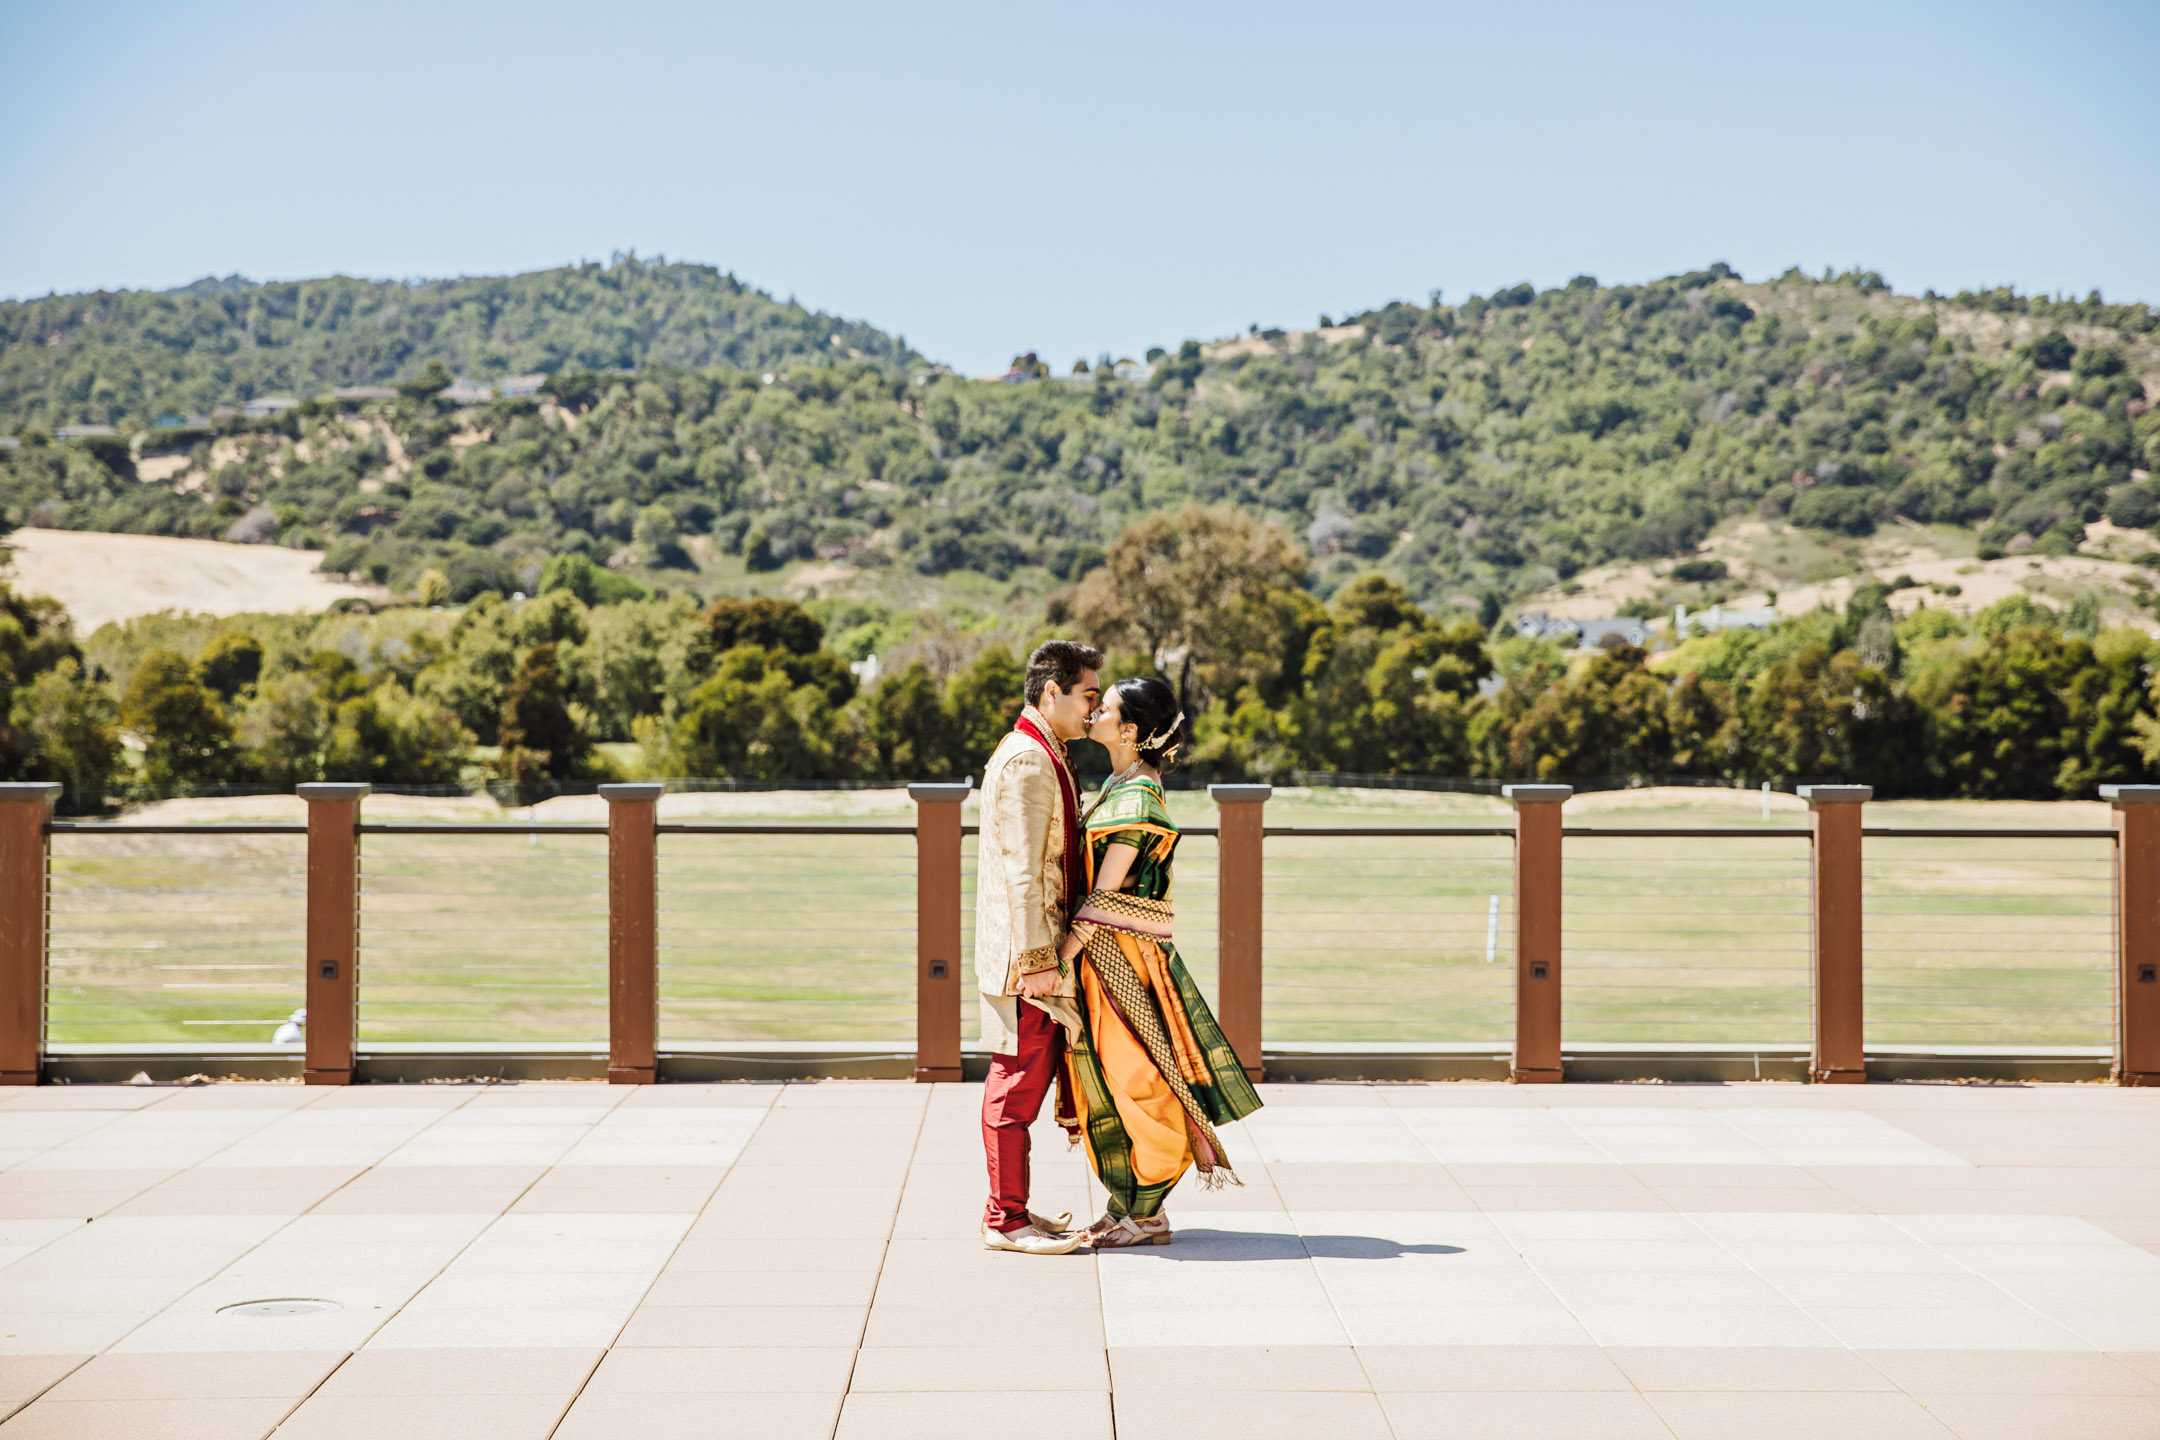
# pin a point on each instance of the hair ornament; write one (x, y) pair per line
(1168, 733)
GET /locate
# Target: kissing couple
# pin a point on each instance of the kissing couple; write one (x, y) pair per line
(1083, 993)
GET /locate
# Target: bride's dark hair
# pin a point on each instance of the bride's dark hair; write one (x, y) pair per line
(1148, 702)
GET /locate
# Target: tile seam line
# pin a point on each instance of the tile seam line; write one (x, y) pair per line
(291, 1220)
(417, 1290)
(236, 1259)
(45, 1390)
(914, 1147)
(478, 1090)
(1357, 1352)
(117, 1117)
(1861, 1353)
(609, 1348)
(1797, 1304)
(1341, 1324)
(2063, 1325)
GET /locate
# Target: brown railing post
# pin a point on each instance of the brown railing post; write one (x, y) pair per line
(333, 928)
(938, 962)
(633, 930)
(1240, 943)
(2137, 932)
(1840, 1052)
(1537, 930)
(24, 809)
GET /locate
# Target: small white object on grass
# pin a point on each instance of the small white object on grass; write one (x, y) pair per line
(1492, 928)
(1766, 800)
(293, 1031)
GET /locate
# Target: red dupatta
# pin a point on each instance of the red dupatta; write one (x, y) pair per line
(1030, 725)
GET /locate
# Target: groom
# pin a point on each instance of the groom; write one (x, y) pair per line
(1028, 876)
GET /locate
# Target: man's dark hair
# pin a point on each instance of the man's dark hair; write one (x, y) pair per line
(1062, 661)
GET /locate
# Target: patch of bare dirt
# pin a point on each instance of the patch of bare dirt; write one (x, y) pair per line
(1807, 571)
(102, 578)
(157, 469)
(818, 574)
(1292, 341)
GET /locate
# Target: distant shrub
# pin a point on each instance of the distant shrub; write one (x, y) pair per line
(2134, 507)
(1830, 508)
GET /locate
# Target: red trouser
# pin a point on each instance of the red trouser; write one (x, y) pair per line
(1012, 1097)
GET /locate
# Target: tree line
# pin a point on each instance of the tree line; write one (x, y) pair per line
(2019, 701)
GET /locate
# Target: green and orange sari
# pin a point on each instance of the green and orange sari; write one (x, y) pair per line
(1151, 1074)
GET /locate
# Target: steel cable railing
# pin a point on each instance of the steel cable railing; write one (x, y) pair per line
(802, 932)
(1390, 935)
(477, 933)
(174, 935)
(1997, 939)
(491, 933)
(1703, 938)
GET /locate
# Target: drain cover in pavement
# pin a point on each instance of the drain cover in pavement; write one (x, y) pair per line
(281, 1309)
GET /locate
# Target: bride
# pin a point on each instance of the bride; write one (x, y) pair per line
(1152, 1075)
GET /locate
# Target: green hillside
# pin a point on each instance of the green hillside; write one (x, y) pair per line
(133, 355)
(1488, 449)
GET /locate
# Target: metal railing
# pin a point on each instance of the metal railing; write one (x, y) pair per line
(1842, 942)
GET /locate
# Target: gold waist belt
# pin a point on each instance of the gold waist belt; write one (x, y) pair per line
(1116, 910)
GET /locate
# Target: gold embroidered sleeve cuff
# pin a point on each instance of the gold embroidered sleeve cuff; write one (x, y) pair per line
(1042, 957)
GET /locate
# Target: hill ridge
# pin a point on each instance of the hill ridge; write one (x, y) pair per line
(117, 356)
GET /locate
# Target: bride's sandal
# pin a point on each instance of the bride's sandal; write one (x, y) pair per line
(1123, 1232)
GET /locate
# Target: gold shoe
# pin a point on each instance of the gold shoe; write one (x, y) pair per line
(1052, 1224)
(1028, 1240)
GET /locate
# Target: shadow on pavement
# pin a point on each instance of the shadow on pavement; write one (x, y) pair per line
(1232, 1245)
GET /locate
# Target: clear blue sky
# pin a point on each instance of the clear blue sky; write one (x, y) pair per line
(1074, 179)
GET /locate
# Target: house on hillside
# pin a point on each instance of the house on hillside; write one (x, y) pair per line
(263, 407)
(83, 432)
(1717, 617)
(521, 387)
(363, 392)
(1585, 634)
(1139, 372)
(467, 392)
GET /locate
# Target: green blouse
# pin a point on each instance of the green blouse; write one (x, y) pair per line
(1133, 813)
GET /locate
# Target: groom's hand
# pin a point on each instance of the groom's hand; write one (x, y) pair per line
(1040, 985)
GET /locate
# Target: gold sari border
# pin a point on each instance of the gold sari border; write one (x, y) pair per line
(1115, 910)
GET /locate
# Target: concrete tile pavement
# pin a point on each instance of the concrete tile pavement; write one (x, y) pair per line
(565, 1260)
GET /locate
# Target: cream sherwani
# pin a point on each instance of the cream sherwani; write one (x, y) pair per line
(1020, 902)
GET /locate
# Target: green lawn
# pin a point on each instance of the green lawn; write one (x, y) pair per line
(465, 938)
